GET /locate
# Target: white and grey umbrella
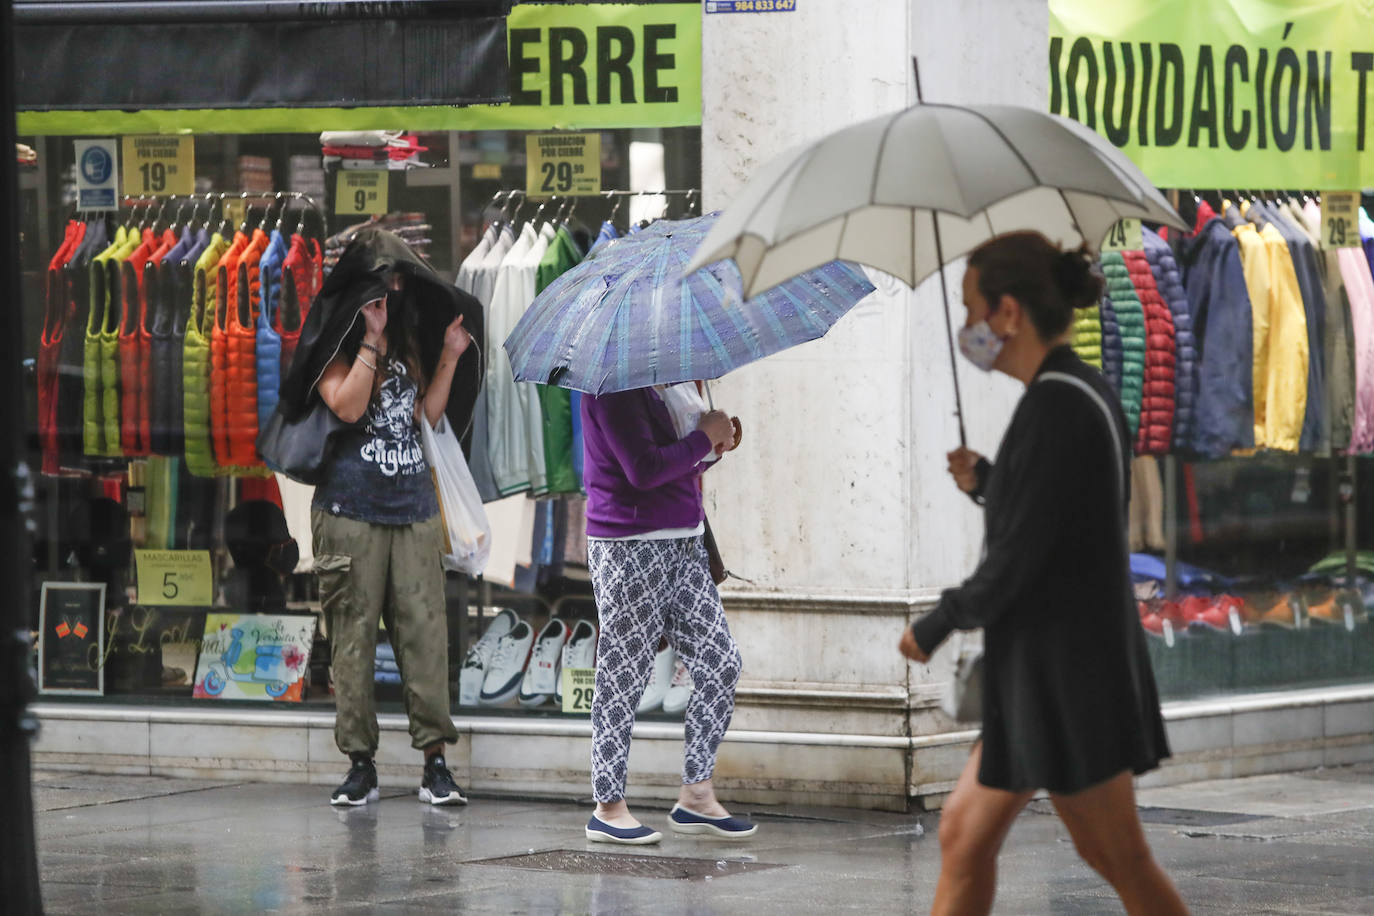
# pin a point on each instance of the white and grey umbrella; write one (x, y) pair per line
(907, 192)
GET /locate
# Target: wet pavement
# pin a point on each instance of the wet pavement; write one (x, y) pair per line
(1297, 843)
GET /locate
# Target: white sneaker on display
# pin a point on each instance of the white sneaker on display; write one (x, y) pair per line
(479, 656)
(659, 681)
(679, 691)
(541, 675)
(578, 652)
(507, 667)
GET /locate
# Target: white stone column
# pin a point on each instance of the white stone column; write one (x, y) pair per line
(838, 506)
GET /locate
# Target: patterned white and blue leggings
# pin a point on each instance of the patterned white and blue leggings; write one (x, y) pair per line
(645, 590)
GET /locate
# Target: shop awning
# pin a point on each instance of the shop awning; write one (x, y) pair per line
(100, 67)
(229, 54)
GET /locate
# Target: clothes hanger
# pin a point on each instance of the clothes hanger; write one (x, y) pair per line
(159, 223)
(147, 211)
(280, 200)
(247, 214)
(226, 227)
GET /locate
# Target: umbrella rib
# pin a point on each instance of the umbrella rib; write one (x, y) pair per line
(1007, 140)
(877, 166)
(1074, 218)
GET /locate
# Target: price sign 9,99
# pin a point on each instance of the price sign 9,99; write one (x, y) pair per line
(361, 193)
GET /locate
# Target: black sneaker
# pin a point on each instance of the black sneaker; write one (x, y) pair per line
(437, 787)
(359, 786)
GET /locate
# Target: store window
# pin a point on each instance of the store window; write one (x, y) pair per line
(1241, 354)
(172, 565)
(200, 561)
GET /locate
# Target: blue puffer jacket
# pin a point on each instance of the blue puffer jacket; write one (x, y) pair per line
(1170, 283)
(1224, 417)
(1111, 344)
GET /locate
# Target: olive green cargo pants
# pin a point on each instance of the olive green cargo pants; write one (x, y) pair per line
(390, 572)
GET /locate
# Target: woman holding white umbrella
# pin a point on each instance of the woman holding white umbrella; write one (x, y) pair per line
(1069, 700)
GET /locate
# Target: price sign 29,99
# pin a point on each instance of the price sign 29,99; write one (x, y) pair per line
(578, 686)
(562, 164)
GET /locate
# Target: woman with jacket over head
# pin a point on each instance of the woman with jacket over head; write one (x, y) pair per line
(1069, 700)
(651, 577)
(387, 347)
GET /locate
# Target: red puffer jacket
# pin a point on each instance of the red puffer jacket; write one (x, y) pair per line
(58, 311)
(241, 407)
(226, 300)
(135, 352)
(1157, 405)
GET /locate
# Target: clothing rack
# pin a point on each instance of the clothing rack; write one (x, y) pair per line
(517, 197)
(211, 200)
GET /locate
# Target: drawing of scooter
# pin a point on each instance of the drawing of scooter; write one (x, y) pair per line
(269, 669)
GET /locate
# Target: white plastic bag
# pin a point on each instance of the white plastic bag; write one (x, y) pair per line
(467, 532)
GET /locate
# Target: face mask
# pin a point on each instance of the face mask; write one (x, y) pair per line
(980, 345)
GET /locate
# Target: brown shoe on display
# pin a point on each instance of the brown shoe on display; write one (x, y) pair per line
(1280, 614)
(1328, 611)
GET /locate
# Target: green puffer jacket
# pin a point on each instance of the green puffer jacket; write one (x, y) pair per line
(195, 363)
(1087, 335)
(100, 355)
(1130, 315)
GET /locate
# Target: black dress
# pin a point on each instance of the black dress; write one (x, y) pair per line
(1069, 699)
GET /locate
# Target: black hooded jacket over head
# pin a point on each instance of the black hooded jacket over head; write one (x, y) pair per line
(335, 324)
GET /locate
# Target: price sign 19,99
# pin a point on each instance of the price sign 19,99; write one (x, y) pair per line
(159, 165)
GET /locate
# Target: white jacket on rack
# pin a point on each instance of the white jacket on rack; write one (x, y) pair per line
(509, 444)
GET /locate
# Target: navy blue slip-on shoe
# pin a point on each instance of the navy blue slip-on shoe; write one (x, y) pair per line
(599, 831)
(684, 820)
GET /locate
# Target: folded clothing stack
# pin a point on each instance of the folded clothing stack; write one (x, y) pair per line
(371, 149)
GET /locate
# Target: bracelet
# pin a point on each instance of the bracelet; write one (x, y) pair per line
(372, 366)
(367, 346)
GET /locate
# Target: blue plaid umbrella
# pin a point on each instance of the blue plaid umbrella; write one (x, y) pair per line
(626, 317)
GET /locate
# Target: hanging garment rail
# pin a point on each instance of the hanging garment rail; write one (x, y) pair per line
(517, 197)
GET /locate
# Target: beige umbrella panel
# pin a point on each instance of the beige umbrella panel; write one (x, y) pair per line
(905, 192)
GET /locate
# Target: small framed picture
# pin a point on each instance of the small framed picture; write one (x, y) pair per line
(71, 638)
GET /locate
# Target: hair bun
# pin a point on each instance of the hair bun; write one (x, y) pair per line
(1078, 282)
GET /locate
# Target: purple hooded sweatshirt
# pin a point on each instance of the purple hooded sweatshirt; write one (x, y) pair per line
(639, 475)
